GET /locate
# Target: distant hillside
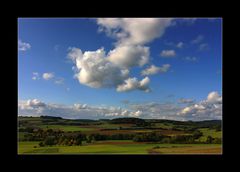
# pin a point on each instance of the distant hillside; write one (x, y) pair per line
(132, 120)
(127, 120)
(50, 117)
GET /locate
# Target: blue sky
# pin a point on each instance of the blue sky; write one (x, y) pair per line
(45, 44)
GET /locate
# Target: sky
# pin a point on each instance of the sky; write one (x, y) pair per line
(164, 68)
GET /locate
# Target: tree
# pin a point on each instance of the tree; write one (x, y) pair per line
(78, 141)
(209, 139)
(50, 140)
(197, 134)
(89, 139)
(41, 144)
(217, 141)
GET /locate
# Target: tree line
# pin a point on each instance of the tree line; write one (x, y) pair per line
(57, 137)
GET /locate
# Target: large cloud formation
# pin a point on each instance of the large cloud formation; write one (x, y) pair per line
(95, 70)
(134, 31)
(129, 56)
(99, 69)
(211, 108)
(76, 111)
(208, 109)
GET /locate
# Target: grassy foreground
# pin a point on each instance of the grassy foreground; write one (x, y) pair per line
(120, 147)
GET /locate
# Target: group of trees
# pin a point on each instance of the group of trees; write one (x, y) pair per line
(148, 137)
(178, 139)
(40, 134)
(136, 121)
(58, 137)
(155, 137)
(78, 138)
(112, 137)
(210, 140)
(69, 140)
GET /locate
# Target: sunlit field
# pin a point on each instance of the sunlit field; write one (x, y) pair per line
(50, 135)
(121, 147)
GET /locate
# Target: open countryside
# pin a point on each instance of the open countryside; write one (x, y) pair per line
(54, 135)
(145, 86)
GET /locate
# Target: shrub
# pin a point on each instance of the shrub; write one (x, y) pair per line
(197, 134)
(156, 147)
(41, 144)
(50, 140)
(209, 139)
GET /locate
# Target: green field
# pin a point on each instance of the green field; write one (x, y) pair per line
(165, 126)
(51, 135)
(120, 147)
(209, 132)
(66, 127)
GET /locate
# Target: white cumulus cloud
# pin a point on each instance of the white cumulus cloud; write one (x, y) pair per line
(35, 103)
(132, 84)
(134, 31)
(214, 97)
(129, 56)
(154, 69)
(95, 70)
(211, 108)
(36, 107)
(111, 69)
(48, 76)
(208, 109)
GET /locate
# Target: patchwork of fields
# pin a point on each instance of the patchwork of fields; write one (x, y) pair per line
(32, 129)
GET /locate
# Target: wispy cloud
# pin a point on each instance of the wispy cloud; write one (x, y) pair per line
(186, 101)
(59, 80)
(35, 76)
(203, 47)
(56, 47)
(180, 45)
(190, 59)
(198, 39)
(23, 46)
(51, 77)
(168, 53)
